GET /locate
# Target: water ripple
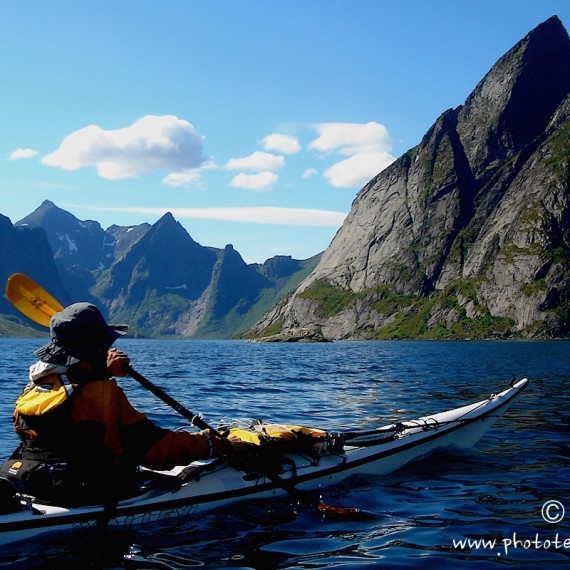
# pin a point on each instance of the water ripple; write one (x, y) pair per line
(419, 515)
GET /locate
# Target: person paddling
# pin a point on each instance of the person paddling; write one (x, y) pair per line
(81, 439)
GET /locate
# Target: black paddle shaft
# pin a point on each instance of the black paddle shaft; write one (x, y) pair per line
(201, 424)
(287, 486)
(169, 400)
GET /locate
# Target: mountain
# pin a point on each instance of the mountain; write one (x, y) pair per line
(162, 275)
(154, 277)
(26, 250)
(125, 237)
(79, 247)
(467, 235)
(72, 241)
(166, 284)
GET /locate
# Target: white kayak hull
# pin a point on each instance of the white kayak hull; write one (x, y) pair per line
(374, 452)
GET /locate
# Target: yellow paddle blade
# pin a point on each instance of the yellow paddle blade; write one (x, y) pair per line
(31, 299)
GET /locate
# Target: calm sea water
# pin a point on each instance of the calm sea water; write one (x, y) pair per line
(419, 516)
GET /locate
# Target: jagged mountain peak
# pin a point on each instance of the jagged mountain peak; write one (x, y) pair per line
(231, 262)
(165, 258)
(166, 219)
(512, 104)
(48, 213)
(552, 30)
(72, 240)
(167, 231)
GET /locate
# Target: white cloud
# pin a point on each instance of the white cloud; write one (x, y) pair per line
(182, 178)
(281, 143)
(351, 138)
(150, 144)
(367, 146)
(260, 181)
(309, 173)
(256, 161)
(358, 169)
(255, 215)
(20, 153)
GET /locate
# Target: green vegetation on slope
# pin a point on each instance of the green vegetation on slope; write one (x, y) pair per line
(408, 317)
(11, 328)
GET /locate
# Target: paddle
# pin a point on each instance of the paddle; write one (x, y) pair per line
(31, 299)
(39, 306)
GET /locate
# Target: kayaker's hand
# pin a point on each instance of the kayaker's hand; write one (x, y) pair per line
(241, 455)
(117, 361)
(237, 446)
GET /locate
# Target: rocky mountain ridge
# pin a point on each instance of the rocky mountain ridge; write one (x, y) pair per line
(154, 277)
(467, 235)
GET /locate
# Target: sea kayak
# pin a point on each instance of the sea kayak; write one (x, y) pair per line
(205, 485)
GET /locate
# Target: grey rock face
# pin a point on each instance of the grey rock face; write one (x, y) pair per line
(469, 232)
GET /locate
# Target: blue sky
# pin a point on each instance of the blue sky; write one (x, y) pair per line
(254, 122)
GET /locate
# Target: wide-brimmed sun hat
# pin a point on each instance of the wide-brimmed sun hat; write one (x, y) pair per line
(79, 332)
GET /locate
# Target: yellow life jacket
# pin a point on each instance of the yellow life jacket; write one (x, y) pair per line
(42, 397)
(47, 389)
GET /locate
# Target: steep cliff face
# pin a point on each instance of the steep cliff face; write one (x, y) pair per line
(467, 234)
(26, 250)
(234, 288)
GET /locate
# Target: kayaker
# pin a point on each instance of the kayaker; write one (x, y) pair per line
(81, 439)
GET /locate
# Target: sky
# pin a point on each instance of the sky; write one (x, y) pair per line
(254, 122)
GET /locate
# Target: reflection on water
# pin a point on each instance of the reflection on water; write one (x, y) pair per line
(418, 516)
